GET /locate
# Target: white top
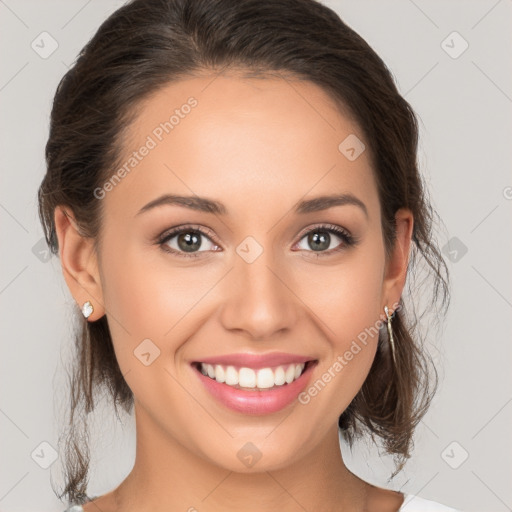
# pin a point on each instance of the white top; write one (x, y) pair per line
(414, 503)
(411, 503)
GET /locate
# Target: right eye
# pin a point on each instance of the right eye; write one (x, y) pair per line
(188, 241)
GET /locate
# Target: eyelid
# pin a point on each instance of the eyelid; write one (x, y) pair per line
(176, 230)
(325, 226)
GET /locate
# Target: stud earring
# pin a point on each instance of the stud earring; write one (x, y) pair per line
(390, 332)
(87, 309)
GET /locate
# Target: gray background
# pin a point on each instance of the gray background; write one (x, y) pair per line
(464, 103)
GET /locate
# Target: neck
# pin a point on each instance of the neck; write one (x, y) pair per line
(168, 476)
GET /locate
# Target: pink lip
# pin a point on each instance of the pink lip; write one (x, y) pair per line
(256, 402)
(256, 361)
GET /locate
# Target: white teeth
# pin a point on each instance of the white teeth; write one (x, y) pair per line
(231, 376)
(265, 378)
(262, 378)
(220, 374)
(289, 374)
(247, 378)
(279, 377)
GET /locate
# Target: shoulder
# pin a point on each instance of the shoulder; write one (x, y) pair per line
(414, 503)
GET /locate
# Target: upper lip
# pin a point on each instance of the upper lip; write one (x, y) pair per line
(256, 360)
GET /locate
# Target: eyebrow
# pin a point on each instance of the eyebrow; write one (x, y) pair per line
(206, 205)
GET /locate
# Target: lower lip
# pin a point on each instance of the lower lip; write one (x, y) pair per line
(256, 402)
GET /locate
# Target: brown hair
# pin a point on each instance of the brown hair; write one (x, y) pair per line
(147, 44)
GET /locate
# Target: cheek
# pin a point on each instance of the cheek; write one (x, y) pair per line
(149, 296)
(346, 297)
(346, 302)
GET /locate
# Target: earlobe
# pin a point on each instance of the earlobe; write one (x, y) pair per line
(396, 267)
(79, 264)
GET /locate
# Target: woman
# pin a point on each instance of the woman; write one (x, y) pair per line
(233, 193)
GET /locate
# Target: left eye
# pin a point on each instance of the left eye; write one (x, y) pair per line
(320, 239)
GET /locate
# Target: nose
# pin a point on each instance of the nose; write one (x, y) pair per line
(258, 299)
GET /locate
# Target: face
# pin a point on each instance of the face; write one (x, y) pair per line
(271, 287)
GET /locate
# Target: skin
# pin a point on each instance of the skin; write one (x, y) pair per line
(258, 145)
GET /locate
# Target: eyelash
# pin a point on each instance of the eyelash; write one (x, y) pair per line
(348, 239)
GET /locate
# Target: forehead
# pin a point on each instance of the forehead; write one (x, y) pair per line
(261, 142)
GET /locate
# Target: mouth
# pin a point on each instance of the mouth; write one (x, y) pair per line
(254, 379)
(255, 390)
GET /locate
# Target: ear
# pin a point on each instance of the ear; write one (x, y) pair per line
(396, 268)
(79, 262)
